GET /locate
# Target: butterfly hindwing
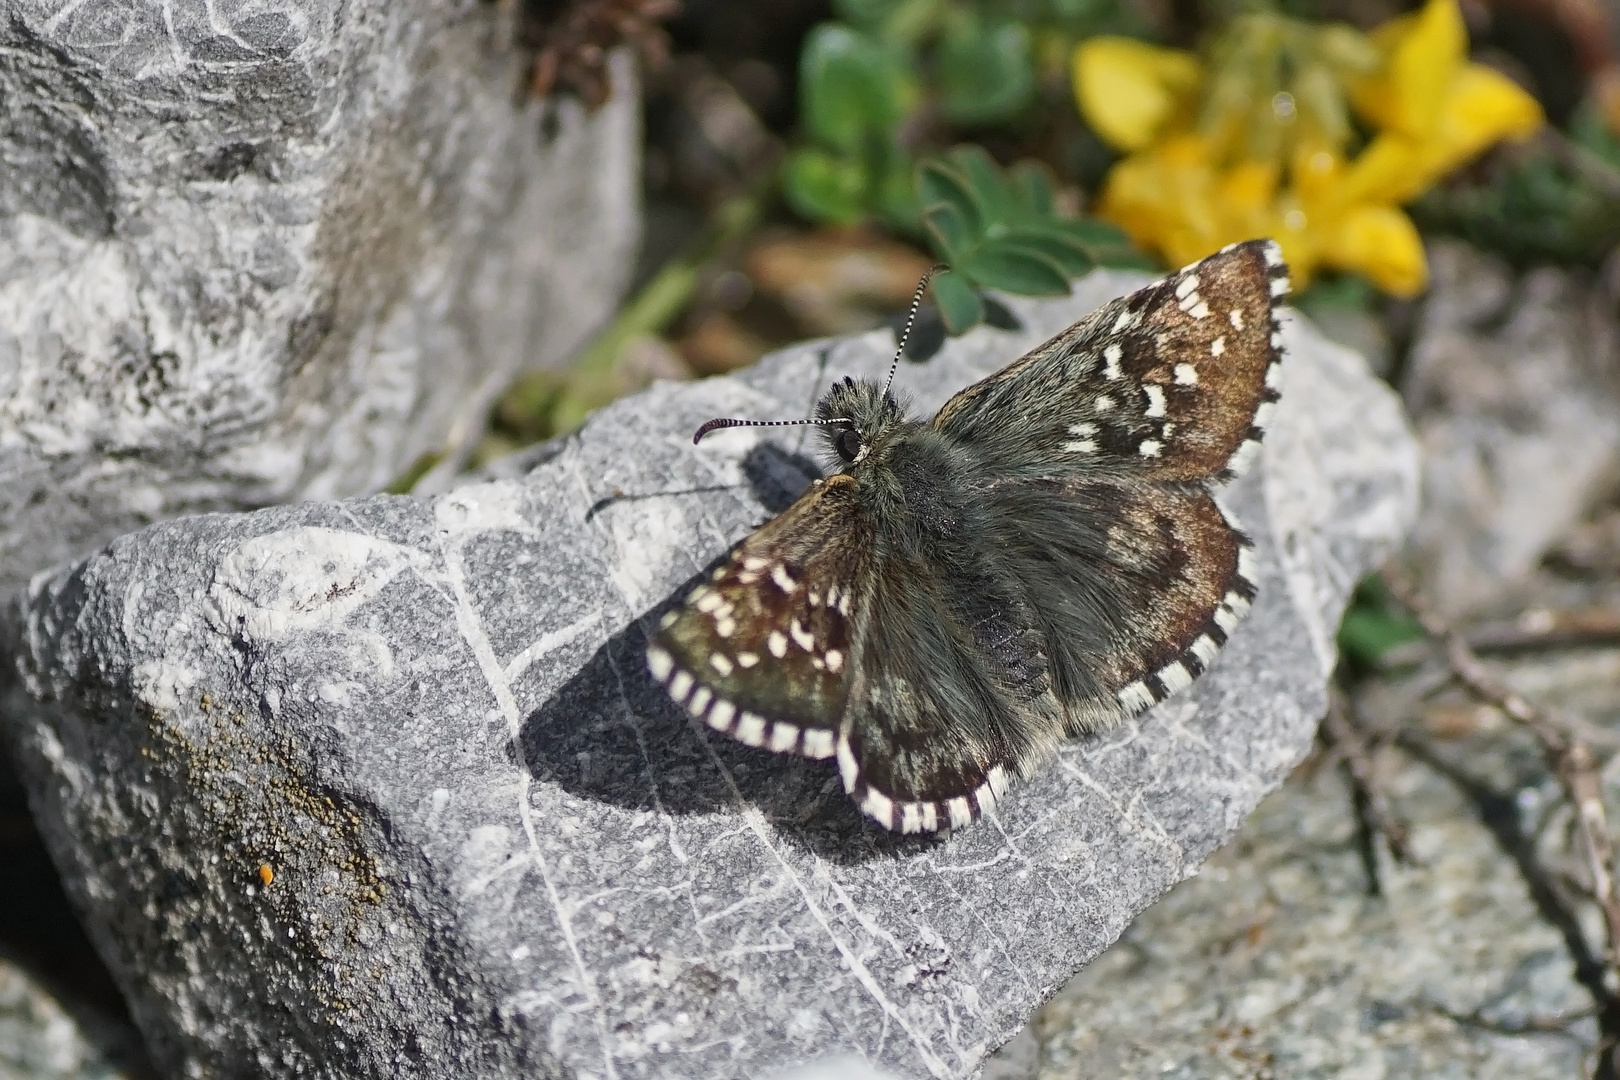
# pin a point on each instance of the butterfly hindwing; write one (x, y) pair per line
(1137, 587)
(950, 697)
(1176, 381)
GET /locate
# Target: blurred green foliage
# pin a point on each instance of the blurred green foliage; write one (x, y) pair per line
(894, 77)
(1373, 624)
(1556, 200)
(1000, 229)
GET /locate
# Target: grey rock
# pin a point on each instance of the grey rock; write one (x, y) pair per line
(1514, 386)
(257, 253)
(495, 846)
(41, 1038)
(1277, 961)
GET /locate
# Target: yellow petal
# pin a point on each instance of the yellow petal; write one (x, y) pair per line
(1390, 169)
(1382, 244)
(1423, 53)
(1128, 90)
(1482, 106)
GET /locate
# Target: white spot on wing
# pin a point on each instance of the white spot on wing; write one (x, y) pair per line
(1262, 415)
(1205, 649)
(777, 643)
(751, 729)
(660, 663)
(1135, 696)
(1237, 319)
(1199, 310)
(801, 636)
(1080, 446)
(721, 663)
(1174, 677)
(835, 661)
(1186, 375)
(783, 579)
(1150, 447)
(818, 743)
(848, 770)
(960, 812)
(784, 736)
(1187, 285)
(680, 686)
(1217, 347)
(721, 716)
(1246, 567)
(1102, 403)
(700, 702)
(1155, 396)
(879, 807)
(1112, 354)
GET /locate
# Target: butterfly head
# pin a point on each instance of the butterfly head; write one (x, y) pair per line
(859, 418)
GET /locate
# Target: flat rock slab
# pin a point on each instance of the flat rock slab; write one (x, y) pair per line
(356, 788)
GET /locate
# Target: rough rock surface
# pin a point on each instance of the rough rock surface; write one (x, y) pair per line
(382, 786)
(41, 1039)
(1514, 387)
(1278, 961)
(252, 253)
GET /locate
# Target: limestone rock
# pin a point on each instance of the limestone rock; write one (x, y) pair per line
(251, 254)
(381, 786)
(1514, 387)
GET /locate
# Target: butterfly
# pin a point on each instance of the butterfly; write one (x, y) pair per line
(1041, 560)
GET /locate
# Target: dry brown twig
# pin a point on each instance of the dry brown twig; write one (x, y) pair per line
(1567, 753)
(1352, 745)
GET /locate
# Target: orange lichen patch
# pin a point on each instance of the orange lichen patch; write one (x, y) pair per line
(266, 874)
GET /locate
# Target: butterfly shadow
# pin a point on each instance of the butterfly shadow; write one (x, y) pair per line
(611, 734)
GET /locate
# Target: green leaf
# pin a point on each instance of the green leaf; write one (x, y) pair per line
(1032, 188)
(990, 189)
(1372, 625)
(1072, 257)
(937, 182)
(986, 74)
(1093, 232)
(947, 230)
(825, 188)
(1016, 269)
(852, 87)
(959, 306)
(897, 194)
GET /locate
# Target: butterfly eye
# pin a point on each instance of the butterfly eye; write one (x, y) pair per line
(848, 444)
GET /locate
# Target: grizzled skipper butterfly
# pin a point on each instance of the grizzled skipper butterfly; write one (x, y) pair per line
(1041, 560)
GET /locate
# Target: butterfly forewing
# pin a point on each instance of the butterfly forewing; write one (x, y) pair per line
(1173, 382)
(762, 650)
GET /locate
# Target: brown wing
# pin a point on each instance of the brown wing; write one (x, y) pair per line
(1174, 382)
(762, 651)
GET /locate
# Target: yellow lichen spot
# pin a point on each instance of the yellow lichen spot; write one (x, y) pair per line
(266, 874)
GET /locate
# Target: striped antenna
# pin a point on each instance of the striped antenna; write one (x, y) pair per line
(725, 422)
(905, 335)
(911, 317)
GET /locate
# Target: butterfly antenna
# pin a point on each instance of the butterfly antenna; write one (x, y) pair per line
(725, 422)
(911, 317)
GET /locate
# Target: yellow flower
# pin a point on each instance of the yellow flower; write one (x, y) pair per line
(1191, 184)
